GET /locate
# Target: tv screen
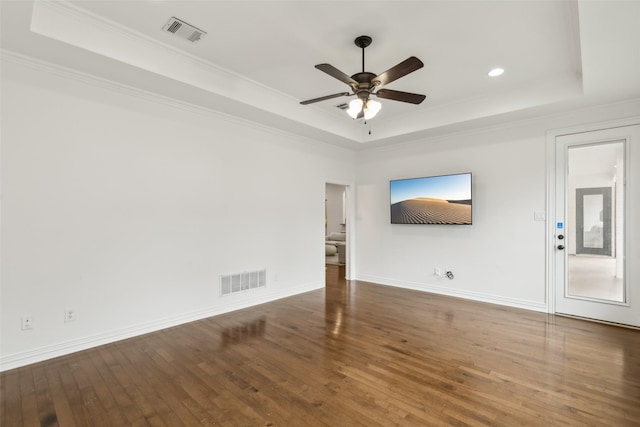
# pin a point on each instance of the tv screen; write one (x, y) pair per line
(444, 199)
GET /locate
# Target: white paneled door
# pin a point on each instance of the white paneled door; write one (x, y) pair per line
(596, 227)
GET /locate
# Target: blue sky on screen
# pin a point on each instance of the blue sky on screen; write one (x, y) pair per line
(447, 187)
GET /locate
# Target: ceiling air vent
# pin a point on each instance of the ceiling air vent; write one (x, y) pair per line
(184, 30)
(343, 106)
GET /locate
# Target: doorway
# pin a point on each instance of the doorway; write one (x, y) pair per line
(336, 235)
(591, 238)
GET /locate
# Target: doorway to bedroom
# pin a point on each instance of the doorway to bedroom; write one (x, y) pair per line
(335, 223)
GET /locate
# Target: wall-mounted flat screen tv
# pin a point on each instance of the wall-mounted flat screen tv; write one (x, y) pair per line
(444, 199)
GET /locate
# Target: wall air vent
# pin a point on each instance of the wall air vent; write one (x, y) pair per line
(183, 30)
(240, 282)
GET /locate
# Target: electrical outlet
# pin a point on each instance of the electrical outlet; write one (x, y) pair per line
(27, 323)
(69, 315)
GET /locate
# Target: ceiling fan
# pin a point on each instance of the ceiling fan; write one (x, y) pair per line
(365, 84)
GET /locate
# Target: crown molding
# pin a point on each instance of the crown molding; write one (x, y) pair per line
(65, 22)
(127, 90)
(632, 104)
(112, 85)
(83, 15)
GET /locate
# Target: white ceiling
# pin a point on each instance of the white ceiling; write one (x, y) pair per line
(257, 60)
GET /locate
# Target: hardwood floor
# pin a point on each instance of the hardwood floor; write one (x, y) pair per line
(354, 354)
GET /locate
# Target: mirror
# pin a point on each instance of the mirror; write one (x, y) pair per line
(592, 221)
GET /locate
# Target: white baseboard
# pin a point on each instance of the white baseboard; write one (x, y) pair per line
(49, 352)
(470, 295)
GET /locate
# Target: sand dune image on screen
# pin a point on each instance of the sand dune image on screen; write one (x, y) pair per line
(443, 199)
(423, 210)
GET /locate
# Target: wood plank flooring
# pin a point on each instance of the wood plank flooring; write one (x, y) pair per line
(354, 354)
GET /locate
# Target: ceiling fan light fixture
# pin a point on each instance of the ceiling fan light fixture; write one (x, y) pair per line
(371, 109)
(355, 107)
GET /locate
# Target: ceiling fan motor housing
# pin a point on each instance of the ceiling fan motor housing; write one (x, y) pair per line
(364, 87)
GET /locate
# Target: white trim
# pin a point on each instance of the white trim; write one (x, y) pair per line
(505, 125)
(116, 29)
(51, 351)
(123, 89)
(350, 229)
(470, 295)
(551, 136)
(549, 264)
(590, 127)
(69, 23)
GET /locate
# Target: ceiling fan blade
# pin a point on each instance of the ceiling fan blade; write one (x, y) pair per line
(407, 66)
(396, 95)
(335, 73)
(323, 98)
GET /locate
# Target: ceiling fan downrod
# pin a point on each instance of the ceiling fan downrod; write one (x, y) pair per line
(362, 42)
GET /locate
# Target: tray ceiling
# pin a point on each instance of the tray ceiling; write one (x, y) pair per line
(257, 58)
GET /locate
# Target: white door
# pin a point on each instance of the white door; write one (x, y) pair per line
(597, 225)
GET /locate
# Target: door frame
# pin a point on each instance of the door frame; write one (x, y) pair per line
(607, 217)
(350, 269)
(550, 239)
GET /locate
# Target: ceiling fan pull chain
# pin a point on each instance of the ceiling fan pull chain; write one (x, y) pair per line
(365, 123)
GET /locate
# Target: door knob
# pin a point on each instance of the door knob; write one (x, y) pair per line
(560, 247)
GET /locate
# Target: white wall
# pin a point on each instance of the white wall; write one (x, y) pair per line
(127, 209)
(501, 257)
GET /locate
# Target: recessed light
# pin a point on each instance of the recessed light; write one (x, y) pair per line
(496, 72)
